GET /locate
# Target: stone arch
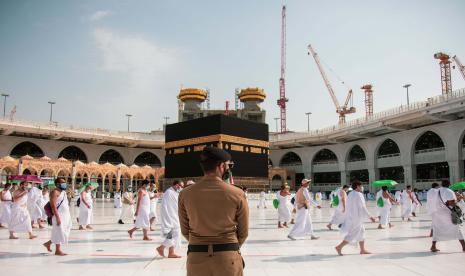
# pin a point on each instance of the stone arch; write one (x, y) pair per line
(73, 153)
(111, 156)
(356, 153)
(147, 158)
(290, 159)
(388, 147)
(46, 172)
(9, 171)
(26, 148)
(428, 140)
(29, 171)
(324, 156)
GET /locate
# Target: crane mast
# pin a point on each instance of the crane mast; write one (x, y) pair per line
(342, 111)
(444, 63)
(282, 83)
(460, 66)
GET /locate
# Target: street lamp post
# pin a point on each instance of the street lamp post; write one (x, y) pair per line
(308, 120)
(51, 110)
(129, 116)
(276, 123)
(4, 103)
(406, 87)
(166, 119)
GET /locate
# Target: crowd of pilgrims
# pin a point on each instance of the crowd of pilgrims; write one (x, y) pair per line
(27, 206)
(350, 211)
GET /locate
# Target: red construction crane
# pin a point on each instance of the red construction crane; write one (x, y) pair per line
(368, 88)
(282, 83)
(341, 110)
(444, 63)
(460, 66)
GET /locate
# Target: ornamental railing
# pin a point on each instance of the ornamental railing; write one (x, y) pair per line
(55, 127)
(430, 150)
(388, 155)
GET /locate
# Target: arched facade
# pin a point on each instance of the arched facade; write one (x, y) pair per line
(290, 159)
(73, 153)
(147, 158)
(326, 174)
(396, 155)
(430, 158)
(26, 148)
(111, 156)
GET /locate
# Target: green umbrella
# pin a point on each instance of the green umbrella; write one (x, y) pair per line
(458, 186)
(382, 183)
(92, 184)
(49, 182)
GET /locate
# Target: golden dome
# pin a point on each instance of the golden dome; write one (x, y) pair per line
(192, 94)
(252, 94)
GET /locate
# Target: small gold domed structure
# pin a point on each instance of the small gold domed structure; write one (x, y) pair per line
(195, 94)
(252, 94)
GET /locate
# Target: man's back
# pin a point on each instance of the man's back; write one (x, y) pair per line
(213, 212)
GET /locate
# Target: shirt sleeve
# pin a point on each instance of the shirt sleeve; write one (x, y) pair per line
(183, 218)
(242, 217)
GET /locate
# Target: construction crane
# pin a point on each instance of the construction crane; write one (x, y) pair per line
(460, 66)
(444, 63)
(282, 83)
(341, 110)
(368, 88)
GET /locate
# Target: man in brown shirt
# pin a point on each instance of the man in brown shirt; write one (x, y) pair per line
(214, 218)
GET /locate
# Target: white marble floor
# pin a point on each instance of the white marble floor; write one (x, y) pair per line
(107, 250)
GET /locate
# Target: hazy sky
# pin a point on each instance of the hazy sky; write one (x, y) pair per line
(102, 59)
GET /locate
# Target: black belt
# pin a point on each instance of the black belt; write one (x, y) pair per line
(215, 247)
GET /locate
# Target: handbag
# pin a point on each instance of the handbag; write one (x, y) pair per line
(455, 212)
(49, 212)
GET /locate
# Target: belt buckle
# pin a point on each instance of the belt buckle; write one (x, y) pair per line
(210, 250)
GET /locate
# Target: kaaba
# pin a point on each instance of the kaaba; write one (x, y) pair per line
(245, 140)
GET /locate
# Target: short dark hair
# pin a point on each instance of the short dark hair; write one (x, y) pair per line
(355, 184)
(345, 186)
(58, 179)
(384, 188)
(7, 185)
(445, 183)
(145, 182)
(409, 187)
(176, 182)
(434, 185)
(209, 165)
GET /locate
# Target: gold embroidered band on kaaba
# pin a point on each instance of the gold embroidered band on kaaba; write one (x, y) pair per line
(227, 142)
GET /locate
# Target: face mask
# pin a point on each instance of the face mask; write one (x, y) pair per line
(63, 186)
(29, 186)
(362, 189)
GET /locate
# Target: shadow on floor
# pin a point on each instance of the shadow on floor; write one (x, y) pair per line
(404, 238)
(303, 258)
(402, 255)
(21, 255)
(98, 240)
(265, 241)
(95, 260)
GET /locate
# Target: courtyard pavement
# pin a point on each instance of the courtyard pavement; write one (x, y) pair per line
(107, 250)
